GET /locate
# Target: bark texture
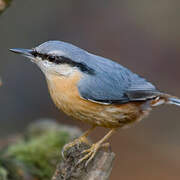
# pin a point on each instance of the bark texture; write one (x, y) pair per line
(98, 169)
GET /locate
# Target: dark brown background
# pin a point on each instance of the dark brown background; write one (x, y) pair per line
(142, 35)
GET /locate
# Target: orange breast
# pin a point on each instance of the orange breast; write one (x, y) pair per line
(65, 95)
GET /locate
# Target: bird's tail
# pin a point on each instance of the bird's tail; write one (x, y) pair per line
(173, 100)
(165, 99)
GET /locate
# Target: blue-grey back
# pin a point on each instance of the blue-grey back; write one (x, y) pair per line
(112, 82)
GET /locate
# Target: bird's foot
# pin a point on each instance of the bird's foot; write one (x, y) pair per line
(91, 152)
(77, 141)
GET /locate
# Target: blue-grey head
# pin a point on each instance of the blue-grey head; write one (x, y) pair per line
(56, 57)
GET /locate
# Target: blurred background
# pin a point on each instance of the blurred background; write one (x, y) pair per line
(141, 35)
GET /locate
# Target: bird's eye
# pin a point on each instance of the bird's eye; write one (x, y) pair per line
(51, 58)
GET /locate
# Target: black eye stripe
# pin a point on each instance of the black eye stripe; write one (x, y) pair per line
(36, 54)
(64, 60)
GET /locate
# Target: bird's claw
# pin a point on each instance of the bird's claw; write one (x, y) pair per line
(91, 152)
(80, 140)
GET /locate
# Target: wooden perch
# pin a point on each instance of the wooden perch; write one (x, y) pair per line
(98, 169)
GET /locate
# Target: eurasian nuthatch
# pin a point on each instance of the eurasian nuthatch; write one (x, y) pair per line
(94, 89)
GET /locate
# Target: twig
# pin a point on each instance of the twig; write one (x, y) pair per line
(98, 169)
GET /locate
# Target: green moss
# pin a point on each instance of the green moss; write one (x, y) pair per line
(35, 154)
(40, 154)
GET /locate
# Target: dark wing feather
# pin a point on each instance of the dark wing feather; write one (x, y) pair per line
(113, 83)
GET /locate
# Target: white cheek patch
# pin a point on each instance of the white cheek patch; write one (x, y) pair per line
(47, 64)
(51, 68)
(65, 70)
(44, 65)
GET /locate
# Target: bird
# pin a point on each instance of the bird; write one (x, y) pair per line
(94, 90)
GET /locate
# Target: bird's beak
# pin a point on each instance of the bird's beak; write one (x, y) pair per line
(24, 52)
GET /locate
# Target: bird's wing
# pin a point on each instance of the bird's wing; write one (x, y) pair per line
(113, 83)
